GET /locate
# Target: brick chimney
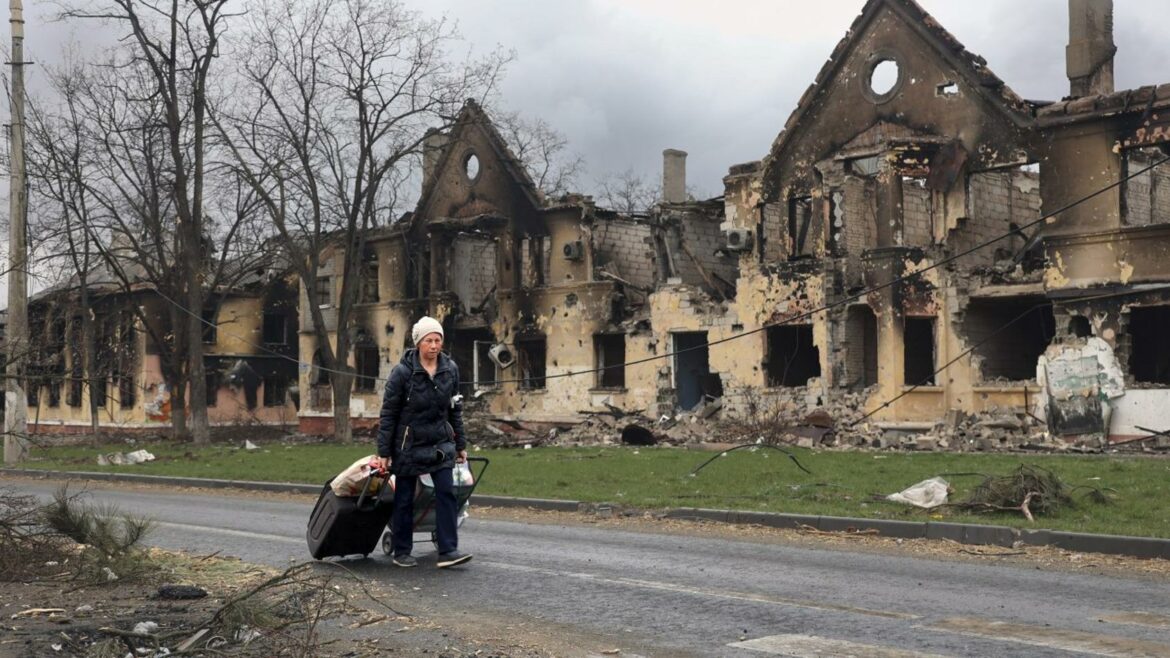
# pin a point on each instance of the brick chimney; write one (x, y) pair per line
(674, 176)
(1089, 54)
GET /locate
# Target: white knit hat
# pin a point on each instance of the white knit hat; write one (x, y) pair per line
(426, 325)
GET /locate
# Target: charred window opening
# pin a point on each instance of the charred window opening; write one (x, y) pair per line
(275, 331)
(610, 355)
(791, 358)
(693, 380)
(275, 390)
(127, 361)
(320, 374)
(1009, 335)
(947, 89)
(918, 351)
(1079, 326)
(76, 364)
(917, 212)
(366, 362)
(1145, 198)
(418, 272)
(472, 275)
(369, 277)
(800, 215)
(1149, 352)
(531, 356)
(534, 265)
(212, 383)
(210, 326)
(471, 350)
(324, 288)
(861, 360)
(56, 355)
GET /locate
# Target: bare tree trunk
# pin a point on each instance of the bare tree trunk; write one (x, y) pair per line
(176, 381)
(89, 351)
(342, 387)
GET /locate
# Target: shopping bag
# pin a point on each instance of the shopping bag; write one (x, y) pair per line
(352, 480)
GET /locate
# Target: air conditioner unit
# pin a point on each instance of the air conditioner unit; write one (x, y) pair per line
(574, 250)
(737, 239)
(501, 355)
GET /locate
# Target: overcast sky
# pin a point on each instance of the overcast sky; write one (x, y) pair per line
(624, 79)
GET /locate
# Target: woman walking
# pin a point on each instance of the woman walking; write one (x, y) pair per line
(421, 431)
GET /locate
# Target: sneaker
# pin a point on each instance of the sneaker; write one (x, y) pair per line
(452, 559)
(405, 560)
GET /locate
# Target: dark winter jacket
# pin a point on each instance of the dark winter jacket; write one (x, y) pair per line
(421, 427)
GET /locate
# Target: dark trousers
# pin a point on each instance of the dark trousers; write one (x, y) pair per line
(402, 522)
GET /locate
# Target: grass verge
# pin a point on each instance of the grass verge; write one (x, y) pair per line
(841, 483)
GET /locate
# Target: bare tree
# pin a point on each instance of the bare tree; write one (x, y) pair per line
(627, 192)
(104, 171)
(543, 151)
(335, 103)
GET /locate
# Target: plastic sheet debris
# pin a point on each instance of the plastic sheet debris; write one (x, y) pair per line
(927, 494)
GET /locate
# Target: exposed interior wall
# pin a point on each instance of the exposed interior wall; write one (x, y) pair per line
(472, 270)
(625, 248)
(1008, 335)
(1145, 197)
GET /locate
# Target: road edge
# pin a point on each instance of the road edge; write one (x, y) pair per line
(963, 533)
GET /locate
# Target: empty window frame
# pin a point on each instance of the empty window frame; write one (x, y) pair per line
(369, 278)
(1145, 198)
(275, 390)
(275, 330)
(861, 362)
(531, 355)
(212, 384)
(918, 351)
(610, 354)
(324, 288)
(210, 326)
(791, 358)
(1009, 335)
(800, 213)
(1149, 351)
(366, 363)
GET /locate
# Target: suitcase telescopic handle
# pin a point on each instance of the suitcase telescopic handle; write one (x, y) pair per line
(374, 472)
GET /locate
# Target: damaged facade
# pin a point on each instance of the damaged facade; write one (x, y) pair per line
(249, 345)
(903, 194)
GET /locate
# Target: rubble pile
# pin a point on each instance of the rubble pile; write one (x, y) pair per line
(826, 427)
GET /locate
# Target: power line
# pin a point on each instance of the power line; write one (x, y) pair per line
(807, 314)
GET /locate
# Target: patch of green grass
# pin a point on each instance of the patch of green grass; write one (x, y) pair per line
(841, 483)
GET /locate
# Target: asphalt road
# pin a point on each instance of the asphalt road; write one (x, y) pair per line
(596, 589)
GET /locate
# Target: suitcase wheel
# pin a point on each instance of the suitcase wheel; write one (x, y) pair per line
(387, 546)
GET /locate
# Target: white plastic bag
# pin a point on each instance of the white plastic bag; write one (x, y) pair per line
(926, 494)
(462, 475)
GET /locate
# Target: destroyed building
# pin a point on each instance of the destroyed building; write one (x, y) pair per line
(249, 345)
(904, 193)
(918, 241)
(529, 290)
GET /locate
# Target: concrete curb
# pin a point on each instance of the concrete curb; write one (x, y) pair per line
(971, 534)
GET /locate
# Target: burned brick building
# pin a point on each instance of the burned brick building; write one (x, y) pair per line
(530, 290)
(918, 240)
(905, 193)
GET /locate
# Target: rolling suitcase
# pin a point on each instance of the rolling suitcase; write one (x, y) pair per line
(344, 525)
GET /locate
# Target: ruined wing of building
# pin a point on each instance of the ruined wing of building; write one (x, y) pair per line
(903, 193)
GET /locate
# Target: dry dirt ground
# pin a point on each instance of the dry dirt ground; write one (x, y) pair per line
(54, 618)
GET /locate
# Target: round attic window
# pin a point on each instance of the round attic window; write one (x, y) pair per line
(471, 166)
(883, 77)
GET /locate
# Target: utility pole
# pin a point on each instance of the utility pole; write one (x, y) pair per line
(16, 334)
